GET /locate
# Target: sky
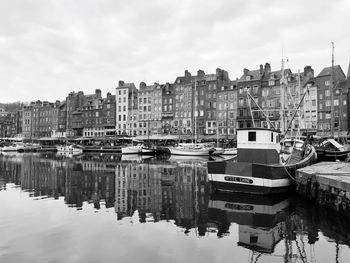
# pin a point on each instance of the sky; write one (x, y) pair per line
(49, 48)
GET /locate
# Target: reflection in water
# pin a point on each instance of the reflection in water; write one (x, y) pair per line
(261, 219)
(177, 190)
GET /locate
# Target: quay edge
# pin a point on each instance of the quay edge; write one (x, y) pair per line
(327, 184)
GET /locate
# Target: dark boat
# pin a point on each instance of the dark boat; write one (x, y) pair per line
(330, 150)
(261, 219)
(263, 165)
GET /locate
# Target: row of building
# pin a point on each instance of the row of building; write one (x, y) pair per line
(201, 104)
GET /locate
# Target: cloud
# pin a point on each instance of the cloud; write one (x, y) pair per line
(49, 48)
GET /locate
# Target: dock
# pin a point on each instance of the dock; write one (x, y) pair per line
(326, 183)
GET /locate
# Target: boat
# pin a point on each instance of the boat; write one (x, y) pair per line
(261, 220)
(330, 150)
(12, 147)
(191, 149)
(230, 151)
(262, 165)
(69, 149)
(137, 149)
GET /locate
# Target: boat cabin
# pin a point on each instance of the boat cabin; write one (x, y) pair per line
(258, 145)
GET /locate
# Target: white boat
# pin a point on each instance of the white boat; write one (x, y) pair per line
(191, 149)
(137, 149)
(230, 151)
(69, 149)
(11, 148)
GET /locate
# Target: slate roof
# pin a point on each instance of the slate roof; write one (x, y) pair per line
(338, 72)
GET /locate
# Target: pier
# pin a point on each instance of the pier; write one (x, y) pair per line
(326, 183)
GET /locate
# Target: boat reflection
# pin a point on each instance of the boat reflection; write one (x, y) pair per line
(261, 219)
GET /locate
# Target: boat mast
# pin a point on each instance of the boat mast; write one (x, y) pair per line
(195, 110)
(331, 87)
(132, 115)
(282, 88)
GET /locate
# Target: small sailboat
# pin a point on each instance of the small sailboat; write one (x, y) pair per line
(70, 149)
(191, 149)
(139, 148)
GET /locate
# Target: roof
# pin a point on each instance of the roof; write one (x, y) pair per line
(338, 72)
(255, 74)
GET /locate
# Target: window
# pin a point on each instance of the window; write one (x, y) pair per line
(241, 101)
(327, 82)
(271, 136)
(336, 102)
(327, 93)
(251, 136)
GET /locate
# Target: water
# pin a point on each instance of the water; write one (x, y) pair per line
(109, 208)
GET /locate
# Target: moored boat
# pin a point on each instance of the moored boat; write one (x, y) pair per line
(230, 151)
(191, 150)
(330, 150)
(262, 166)
(69, 149)
(137, 149)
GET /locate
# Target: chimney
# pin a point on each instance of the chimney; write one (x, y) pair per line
(142, 85)
(245, 71)
(308, 72)
(261, 69)
(200, 73)
(187, 75)
(267, 68)
(121, 83)
(98, 93)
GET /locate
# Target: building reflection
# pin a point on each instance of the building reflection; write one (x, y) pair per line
(157, 189)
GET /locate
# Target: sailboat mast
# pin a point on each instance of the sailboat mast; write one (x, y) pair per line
(195, 110)
(331, 87)
(282, 98)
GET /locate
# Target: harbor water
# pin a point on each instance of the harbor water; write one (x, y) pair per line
(114, 208)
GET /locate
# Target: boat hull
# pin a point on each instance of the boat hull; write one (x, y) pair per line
(332, 156)
(189, 151)
(69, 150)
(255, 178)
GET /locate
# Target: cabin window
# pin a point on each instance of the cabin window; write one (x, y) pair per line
(271, 136)
(251, 136)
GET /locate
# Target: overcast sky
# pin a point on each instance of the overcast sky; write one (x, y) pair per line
(49, 48)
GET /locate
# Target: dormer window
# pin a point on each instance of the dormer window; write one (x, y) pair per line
(271, 82)
(248, 77)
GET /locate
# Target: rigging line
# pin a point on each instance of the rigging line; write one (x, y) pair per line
(267, 118)
(250, 107)
(295, 111)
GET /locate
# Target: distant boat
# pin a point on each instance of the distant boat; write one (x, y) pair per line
(137, 149)
(10, 148)
(191, 149)
(262, 167)
(69, 149)
(230, 151)
(330, 150)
